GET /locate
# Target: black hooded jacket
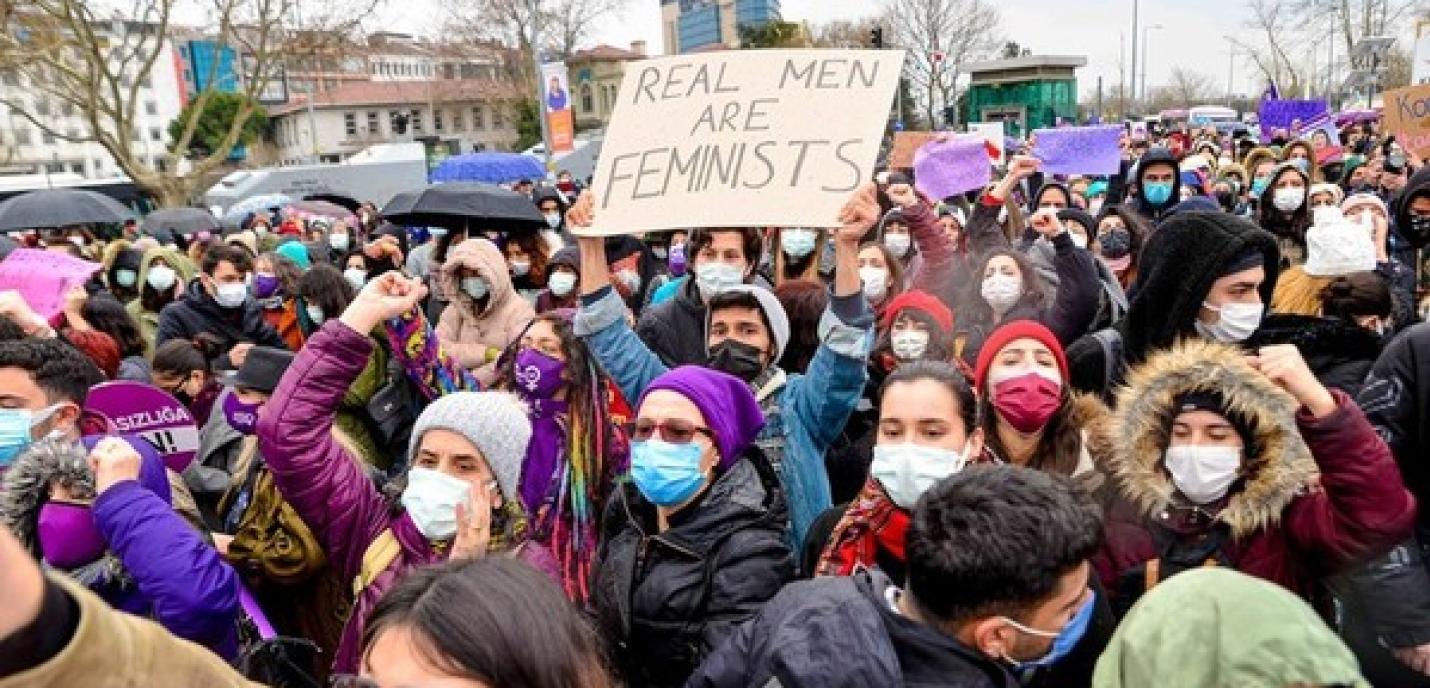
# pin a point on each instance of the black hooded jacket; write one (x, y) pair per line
(1419, 185)
(1340, 353)
(197, 313)
(1180, 262)
(665, 600)
(1153, 213)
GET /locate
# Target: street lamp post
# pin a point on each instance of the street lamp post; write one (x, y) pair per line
(1146, 50)
(1132, 82)
(1230, 68)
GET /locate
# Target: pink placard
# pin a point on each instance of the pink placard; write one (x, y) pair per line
(43, 277)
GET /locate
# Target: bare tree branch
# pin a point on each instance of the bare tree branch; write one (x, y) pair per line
(941, 36)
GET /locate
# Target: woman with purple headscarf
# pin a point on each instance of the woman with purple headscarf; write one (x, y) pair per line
(695, 544)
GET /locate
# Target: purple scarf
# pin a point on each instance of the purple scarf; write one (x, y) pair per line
(543, 456)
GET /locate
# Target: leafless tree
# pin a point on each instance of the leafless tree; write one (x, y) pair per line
(1270, 45)
(1184, 89)
(843, 33)
(564, 24)
(96, 58)
(941, 36)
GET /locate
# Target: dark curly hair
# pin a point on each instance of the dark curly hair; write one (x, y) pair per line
(59, 369)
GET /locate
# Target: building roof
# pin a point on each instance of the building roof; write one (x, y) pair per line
(1027, 62)
(605, 53)
(366, 93)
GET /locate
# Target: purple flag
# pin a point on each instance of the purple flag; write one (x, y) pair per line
(953, 166)
(1079, 150)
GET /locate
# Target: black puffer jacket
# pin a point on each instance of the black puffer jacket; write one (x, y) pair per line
(665, 600)
(675, 330)
(1339, 353)
(837, 632)
(198, 313)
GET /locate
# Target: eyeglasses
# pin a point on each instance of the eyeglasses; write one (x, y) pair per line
(674, 431)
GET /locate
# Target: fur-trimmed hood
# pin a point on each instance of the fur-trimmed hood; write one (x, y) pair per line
(1277, 469)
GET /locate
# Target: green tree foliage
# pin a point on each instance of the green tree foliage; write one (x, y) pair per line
(216, 120)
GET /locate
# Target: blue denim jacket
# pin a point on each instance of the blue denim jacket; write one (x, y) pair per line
(803, 417)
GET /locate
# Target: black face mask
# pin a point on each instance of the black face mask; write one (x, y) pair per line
(736, 358)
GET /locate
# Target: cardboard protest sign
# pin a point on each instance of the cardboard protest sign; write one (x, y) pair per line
(906, 143)
(1079, 150)
(43, 277)
(748, 138)
(992, 132)
(134, 408)
(1282, 114)
(1407, 115)
(946, 168)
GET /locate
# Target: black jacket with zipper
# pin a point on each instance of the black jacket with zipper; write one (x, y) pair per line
(665, 600)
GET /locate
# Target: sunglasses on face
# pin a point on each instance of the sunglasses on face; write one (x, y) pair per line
(674, 431)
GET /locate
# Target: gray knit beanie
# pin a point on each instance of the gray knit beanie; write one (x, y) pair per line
(495, 422)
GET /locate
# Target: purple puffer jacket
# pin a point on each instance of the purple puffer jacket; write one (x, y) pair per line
(179, 580)
(326, 484)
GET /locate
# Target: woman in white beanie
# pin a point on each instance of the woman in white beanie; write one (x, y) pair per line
(459, 498)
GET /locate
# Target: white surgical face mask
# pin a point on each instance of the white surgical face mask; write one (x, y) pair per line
(125, 278)
(907, 470)
(1288, 200)
(898, 244)
(630, 279)
(909, 344)
(431, 499)
(1001, 291)
(561, 283)
(553, 220)
(1238, 321)
(339, 242)
(1079, 240)
(315, 314)
(161, 277)
(876, 283)
(714, 277)
(231, 295)
(520, 268)
(356, 277)
(798, 243)
(1203, 474)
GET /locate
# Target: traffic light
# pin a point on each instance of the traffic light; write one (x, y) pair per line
(876, 37)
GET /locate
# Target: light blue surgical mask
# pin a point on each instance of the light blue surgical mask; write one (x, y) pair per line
(475, 287)
(1259, 185)
(667, 474)
(437, 232)
(315, 314)
(798, 243)
(16, 427)
(1063, 641)
(714, 277)
(1157, 193)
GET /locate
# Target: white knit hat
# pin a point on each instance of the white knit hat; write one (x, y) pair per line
(496, 422)
(1338, 246)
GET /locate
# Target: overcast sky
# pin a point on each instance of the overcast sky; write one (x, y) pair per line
(1193, 37)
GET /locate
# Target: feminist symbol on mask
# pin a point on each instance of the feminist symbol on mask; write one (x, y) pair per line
(529, 377)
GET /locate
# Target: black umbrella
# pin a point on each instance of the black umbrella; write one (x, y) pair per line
(336, 199)
(179, 221)
(459, 205)
(48, 208)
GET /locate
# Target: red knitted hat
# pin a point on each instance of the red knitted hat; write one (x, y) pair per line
(919, 301)
(1018, 329)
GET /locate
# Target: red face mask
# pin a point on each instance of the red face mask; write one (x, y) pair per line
(1027, 402)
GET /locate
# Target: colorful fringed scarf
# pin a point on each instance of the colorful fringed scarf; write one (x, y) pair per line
(871, 523)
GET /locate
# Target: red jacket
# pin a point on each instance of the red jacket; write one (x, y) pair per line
(1309, 504)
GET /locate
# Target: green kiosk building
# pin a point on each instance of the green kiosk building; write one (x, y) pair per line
(1025, 93)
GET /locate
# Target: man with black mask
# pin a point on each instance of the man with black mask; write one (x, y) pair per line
(746, 331)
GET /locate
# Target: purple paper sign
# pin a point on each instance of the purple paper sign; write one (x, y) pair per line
(1281, 114)
(138, 409)
(1079, 150)
(953, 166)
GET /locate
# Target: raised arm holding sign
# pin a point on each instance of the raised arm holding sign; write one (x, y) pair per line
(742, 139)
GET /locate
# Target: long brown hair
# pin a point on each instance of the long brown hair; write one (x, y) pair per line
(1059, 449)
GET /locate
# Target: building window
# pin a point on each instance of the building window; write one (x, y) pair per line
(54, 168)
(47, 138)
(479, 121)
(77, 167)
(155, 134)
(392, 116)
(458, 124)
(586, 101)
(9, 78)
(151, 108)
(498, 117)
(67, 109)
(42, 108)
(22, 136)
(350, 124)
(416, 120)
(437, 120)
(372, 123)
(72, 133)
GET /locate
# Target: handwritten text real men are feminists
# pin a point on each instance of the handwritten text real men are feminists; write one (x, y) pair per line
(762, 161)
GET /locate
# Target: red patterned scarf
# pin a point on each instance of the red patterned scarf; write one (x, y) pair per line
(871, 523)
